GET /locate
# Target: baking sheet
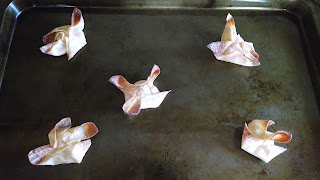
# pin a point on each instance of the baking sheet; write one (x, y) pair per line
(196, 132)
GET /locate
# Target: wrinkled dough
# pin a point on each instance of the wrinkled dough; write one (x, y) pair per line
(66, 145)
(232, 48)
(140, 95)
(259, 142)
(66, 39)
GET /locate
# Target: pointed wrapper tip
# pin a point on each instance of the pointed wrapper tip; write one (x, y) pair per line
(73, 51)
(90, 130)
(47, 48)
(153, 100)
(255, 63)
(154, 72)
(38, 155)
(214, 46)
(76, 16)
(254, 58)
(69, 56)
(255, 54)
(62, 125)
(245, 134)
(155, 68)
(119, 81)
(82, 148)
(230, 19)
(282, 136)
(49, 38)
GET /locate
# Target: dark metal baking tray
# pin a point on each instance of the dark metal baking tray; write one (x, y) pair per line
(196, 132)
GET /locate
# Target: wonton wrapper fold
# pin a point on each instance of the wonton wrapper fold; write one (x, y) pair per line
(259, 142)
(66, 39)
(140, 95)
(232, 48)
(66, 145)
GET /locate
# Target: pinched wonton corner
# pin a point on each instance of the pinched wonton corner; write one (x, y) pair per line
(232, 48)
(259, 142)
(66, 39)
(66, 145)
(140, 95)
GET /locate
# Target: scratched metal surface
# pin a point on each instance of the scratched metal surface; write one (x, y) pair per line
(196, 132)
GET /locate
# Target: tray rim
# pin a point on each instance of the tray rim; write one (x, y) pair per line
(27, 8)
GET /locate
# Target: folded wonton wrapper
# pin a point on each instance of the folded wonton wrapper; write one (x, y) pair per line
(232, 48)
(140, 95)
(66, 145)
(66, 39)
(259, 142)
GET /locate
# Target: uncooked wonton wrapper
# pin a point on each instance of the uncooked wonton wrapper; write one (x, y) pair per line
(66, 39)
(232, 48)
(66, 145)
(140, 95)
(259, 142)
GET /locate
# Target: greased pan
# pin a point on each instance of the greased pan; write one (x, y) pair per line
(196, 132)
